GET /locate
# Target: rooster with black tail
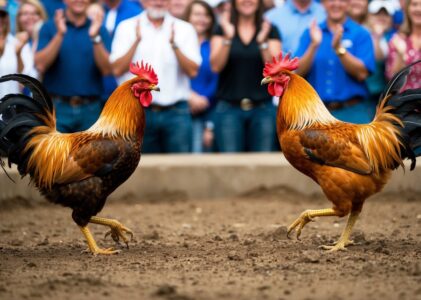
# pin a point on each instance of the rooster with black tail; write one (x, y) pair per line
(78, 170)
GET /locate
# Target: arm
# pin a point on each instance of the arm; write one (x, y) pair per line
(187, 65)
(396, 60)
(269, 46)
(101, 54)
(352, 64)
(307, 59)
(45, 57)
(221, 44)
(122, 64)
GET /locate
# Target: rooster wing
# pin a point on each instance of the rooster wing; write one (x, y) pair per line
(335, 147)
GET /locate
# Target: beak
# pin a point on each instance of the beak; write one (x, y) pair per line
(154, 87)
(266, 80)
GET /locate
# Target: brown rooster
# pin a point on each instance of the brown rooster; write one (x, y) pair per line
(350, 162)
(78, 170)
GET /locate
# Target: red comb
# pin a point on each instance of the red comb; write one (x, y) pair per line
(276, 66)
(144, 71)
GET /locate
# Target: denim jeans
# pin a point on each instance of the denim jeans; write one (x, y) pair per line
(168, 131)
(360, 113)
(238, 130)
(76, 118)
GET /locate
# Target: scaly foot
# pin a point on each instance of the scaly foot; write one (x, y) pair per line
(337, 246)
(96, 250)
(299, 223)
(117, 231)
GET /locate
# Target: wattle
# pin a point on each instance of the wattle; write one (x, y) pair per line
(275, 89)
(145, 98)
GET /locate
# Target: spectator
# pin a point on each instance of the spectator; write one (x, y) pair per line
(293, 18)
(405, 46)
(337, 56)
(178, 8)
(244, 113)
(200, 15)
(358, 11)
(31, 15)
(380, 25)
(10, 59)
(72, 55)
(171, 46)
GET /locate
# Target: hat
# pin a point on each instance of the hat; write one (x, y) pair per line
(376, 5)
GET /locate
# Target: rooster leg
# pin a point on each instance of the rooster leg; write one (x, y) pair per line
(308, 216)
(344, 239)
(117, 230)
(93, 247)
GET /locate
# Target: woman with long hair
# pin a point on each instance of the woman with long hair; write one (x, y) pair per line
(241, 44)
(31, 15)
(405, 45)
(200, 14)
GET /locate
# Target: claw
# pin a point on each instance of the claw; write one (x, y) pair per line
(299, 224)
(96, 251)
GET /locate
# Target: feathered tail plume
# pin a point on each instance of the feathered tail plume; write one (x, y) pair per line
(406, 106)
(21, 118)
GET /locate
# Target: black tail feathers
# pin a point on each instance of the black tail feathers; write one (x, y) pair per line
(407, 107)
(19, 114)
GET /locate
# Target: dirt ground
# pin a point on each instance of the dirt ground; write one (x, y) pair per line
(213, 249)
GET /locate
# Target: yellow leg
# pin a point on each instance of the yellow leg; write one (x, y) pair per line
(344, 239)
(308, 216)
(93, 247)
(117, 230)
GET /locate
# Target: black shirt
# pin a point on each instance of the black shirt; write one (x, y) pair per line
(242, 74)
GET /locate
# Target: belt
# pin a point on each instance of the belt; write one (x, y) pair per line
(158, 108)
(247, 103)
(334, 105)
(76, 100)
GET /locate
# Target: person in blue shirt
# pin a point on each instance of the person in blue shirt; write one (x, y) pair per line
(293, 18)
(200, 14)
(73, 55)
(336, 57)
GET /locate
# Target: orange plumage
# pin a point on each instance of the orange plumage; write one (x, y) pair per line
(78, 170)
(350, 162)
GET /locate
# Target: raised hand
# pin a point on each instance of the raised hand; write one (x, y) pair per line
(60, 21)
(97, 17)
(138, 34)
(21, 39)
(400, 45)
(316, 34)
(262, 36)
(227, 27)
(337, 36)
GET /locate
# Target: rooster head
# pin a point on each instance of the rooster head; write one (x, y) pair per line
(277, 74)
(145, 82)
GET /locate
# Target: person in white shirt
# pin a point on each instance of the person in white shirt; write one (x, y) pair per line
(171, 46)
(10, 61)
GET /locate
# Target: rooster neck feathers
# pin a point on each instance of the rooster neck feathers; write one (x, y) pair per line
(300, 106)
(122, 115)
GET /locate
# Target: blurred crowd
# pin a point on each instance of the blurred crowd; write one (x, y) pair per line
(209, 56)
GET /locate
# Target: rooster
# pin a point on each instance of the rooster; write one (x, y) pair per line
(350, 162)
(78, 170)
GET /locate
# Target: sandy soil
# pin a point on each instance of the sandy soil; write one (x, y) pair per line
(216, 249)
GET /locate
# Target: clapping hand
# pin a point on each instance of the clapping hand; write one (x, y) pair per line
(227, 27)
(60, 21)
(338, 32)
(21, 38)
(97, 17)
(264, 32)
(315, 33)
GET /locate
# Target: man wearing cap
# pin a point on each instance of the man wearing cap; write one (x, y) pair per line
(337, 56)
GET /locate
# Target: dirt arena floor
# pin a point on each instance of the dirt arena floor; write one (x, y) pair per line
(213, 249)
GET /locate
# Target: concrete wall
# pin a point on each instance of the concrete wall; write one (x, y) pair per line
(209, 176)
